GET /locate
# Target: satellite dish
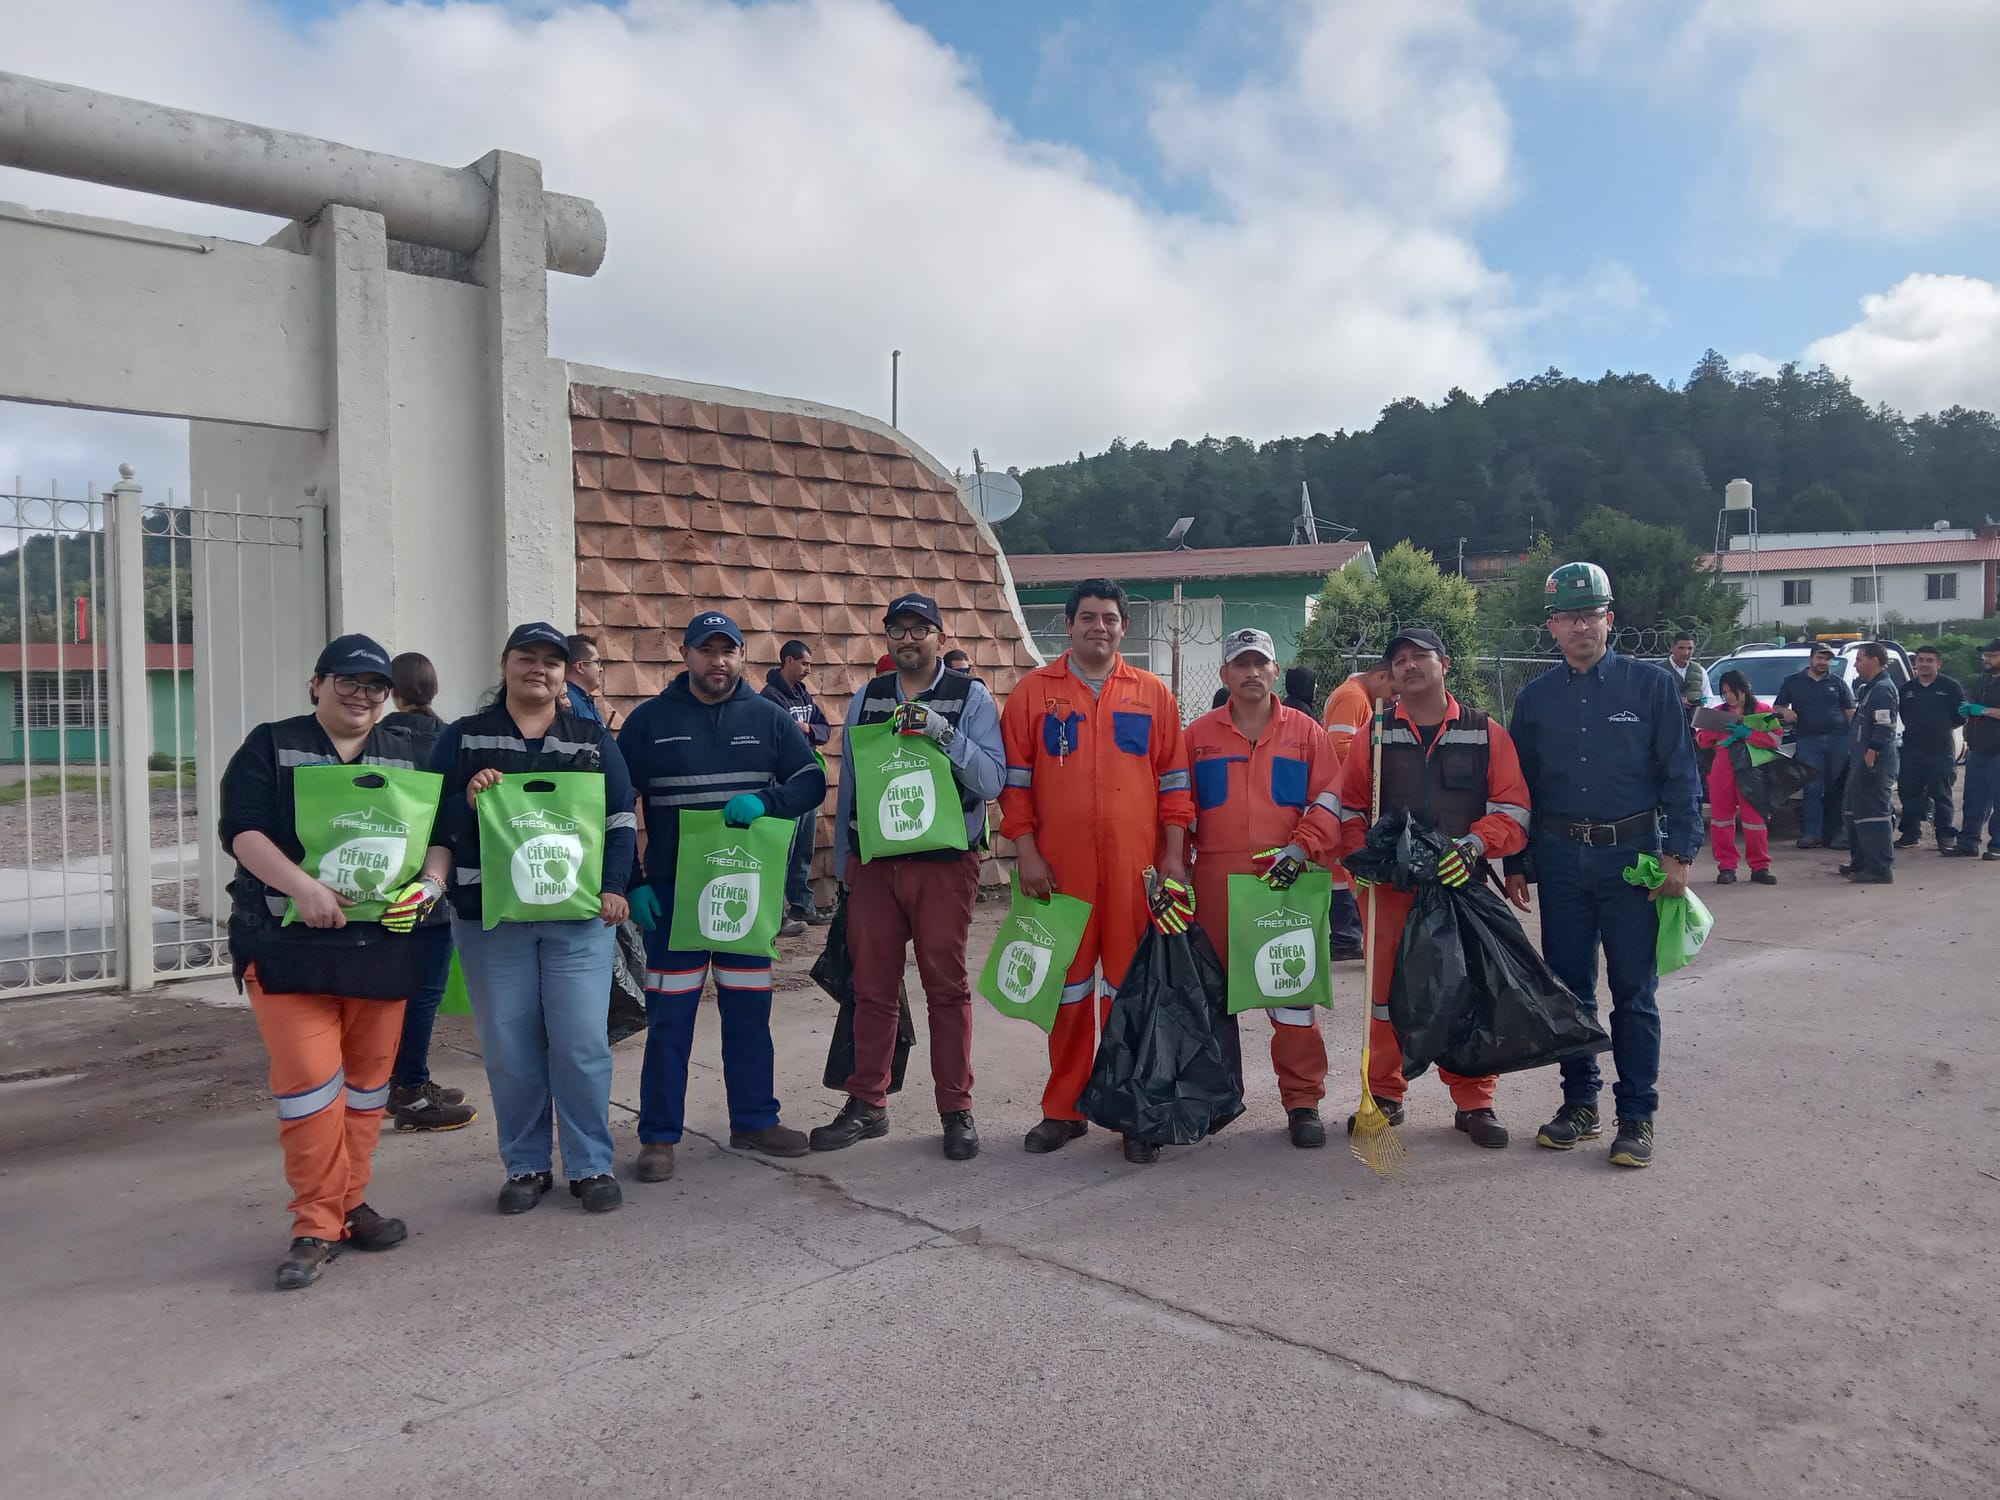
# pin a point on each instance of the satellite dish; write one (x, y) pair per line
(990, 496)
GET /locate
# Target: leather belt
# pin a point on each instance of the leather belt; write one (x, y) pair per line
(1603, 835)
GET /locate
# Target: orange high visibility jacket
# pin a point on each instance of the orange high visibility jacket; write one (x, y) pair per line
(1503, 829)
(1249, 798)
(1348, 711)
(1094, 778)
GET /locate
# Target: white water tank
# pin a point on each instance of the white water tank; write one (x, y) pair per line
(1736, 495)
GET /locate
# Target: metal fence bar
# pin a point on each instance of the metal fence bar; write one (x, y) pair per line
(174, 685)
(100, 733)
(128, 655)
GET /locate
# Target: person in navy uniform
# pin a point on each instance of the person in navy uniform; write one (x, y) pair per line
(1611, 775)
(1874, 737)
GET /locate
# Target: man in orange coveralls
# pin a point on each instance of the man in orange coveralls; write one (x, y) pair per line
(1348, 710)
(1263, 780)
(1460, 771)
(1096, 790)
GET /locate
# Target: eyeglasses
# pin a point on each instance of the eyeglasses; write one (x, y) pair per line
(374, 690)
(1571, 618)
(910, 632)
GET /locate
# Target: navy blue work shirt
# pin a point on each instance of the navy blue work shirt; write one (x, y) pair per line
(1822, 704)
(1607, 743)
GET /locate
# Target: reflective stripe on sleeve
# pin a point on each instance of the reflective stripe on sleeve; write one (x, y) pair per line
(1174, 781)
(1353, 814)
(1020, 776)
(1508, 810)
(621, 820)
(1328, 801)
(311, 1101)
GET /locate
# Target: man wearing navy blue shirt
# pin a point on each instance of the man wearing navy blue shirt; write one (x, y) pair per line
(1611, 775)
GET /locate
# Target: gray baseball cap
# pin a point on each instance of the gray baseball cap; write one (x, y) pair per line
(1237, 642)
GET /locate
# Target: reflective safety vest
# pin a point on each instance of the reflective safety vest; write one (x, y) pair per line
(489, 741)
(1447, 787)
(947, 697)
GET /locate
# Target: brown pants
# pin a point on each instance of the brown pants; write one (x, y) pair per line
(330, 1061)
(926, 903)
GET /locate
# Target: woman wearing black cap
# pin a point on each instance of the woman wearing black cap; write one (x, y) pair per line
(327, 993)
(541, 990)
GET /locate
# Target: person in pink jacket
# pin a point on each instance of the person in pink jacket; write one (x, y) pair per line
(1726, 801)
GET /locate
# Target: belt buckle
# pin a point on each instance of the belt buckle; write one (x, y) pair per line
(1586, 834)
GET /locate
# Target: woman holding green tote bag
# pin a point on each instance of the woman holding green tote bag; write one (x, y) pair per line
(541, 987)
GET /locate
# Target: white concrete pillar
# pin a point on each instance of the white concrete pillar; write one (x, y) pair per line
(356, 483)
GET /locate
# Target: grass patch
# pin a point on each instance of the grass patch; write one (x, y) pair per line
(81, 784)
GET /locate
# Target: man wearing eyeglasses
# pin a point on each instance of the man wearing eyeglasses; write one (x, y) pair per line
(922, 900)
(785, 685)
(1611, 775)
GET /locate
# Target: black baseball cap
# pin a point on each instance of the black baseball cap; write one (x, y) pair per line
(709, 624)
(923, 606)
(1992, 645)
(1418, 636)
(354, 656)
(538, 633)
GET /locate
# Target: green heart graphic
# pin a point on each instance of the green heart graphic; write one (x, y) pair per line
(367, 880)
(555, 870)
(734, 908)
(1024, 972)
(913, 808)
(1294, 967)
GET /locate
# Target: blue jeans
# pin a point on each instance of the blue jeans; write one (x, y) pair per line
(1982, 799)
(1586, 903)
(798, 869)
(1344, 922)
(541, 995)
(673, 995)
(413, 1053)
(1925, 785)
(1826, 754)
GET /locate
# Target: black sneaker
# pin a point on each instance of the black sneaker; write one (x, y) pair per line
(1763, 877)
(1307, 1129)
(1140, 1153)
(1848, 870)
(793, 927)
(600, 1194)
(1725, 877)
(812, 916)
(1909, 841)
(1958, 851)
(1573, 1123)
(1347, 953)
(304, 1261)
(961, 1136)
(368, 1230)
(1393, 1108)
(1483, 1126)
(1991, 854)
(855, 1122)
(1810, 844)
(1052, 1135)
(423, 1108)
(1878, 877)
(524, 1192)
(1633, 1145)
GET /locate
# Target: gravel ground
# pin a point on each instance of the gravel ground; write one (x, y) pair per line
(42, 819)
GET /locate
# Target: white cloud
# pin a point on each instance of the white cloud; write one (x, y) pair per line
(1927, 343)
(794, 187)
(1855, 116)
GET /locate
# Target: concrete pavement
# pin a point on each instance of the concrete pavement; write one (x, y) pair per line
(1799, 1299)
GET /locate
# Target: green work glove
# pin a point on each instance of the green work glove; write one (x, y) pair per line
(1972, 710)
(1287, 865)
(645, 904)
(1455, 864)
(412, 904)
(743, 809)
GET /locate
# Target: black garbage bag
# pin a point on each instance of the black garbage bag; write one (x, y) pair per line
(628, 984)
(833, 971)
(1169, 1067)
(1470, 992)
(1770, 786)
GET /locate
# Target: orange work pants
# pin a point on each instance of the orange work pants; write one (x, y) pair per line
(1118, 919)
(1385, 1057)
(330, 1062)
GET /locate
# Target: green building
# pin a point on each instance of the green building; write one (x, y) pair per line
(56, 705)
(1221, 589)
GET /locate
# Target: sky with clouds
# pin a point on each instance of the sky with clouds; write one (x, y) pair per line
(1147, 218)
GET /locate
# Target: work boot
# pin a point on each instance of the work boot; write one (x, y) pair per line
(368, 1230)
(1991, 854)
(1848, 870)
(1393, 1108)
(1573, 1122)
(792, 927)
(1346, 953)
(1909, 841)
(444, 1095)
(1877, 877)
(1483, 1126)
(1725, 877)
(1307, 1129)
(304, 1261)
(1052, 1135)
(418, 1109)
(1763, 877)
(812, 916)
(1140, 1153)
(1633, 1145)
(855, 1122)
(1958, 851)
(961, 1136)
(1810, 844)
(524, 1192)
(656, 1161)
(599, 1194)
(772, 1140)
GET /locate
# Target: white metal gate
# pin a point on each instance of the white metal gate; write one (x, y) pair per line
(139, 644)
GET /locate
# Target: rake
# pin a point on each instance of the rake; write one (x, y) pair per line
(1373, 1140)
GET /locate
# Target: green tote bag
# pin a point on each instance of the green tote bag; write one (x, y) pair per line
(1278, 943)
(729, 885)
(365, 830)
(541, 847)
(905, 797)
(1031, 955)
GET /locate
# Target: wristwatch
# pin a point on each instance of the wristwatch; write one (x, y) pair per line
(944, 740)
